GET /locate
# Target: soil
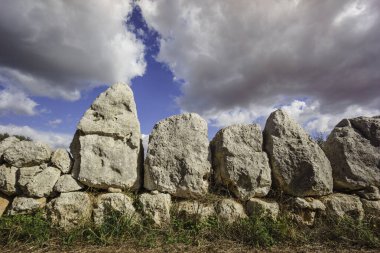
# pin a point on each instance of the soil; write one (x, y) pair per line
(222, 247)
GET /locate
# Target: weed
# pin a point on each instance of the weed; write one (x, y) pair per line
(120, 229)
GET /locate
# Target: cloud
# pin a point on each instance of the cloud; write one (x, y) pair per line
(55, 140)
(55, 122)
(239, 59)
(13, 101)
(307, 113)
(145, 141)
(58, 48)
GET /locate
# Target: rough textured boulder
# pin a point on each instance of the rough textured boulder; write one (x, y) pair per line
(177, 160)
(8, 179)
(66, 183)
(299, 166)
(38, 181)
(195, 210)
(6, 143)
(156, 207)
(309, 203)
(263, 208)
(340, 205)
(22, 205)
(27, 153)
(239, 161)
(229, 210)
(369, 193)
(114, 203)
(107, 146)
(70, 209)
(4, 203)
(371, 208)
(61, 159)
(353, 148)
(304, 210)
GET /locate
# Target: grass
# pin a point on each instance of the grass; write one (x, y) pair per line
(253, 232)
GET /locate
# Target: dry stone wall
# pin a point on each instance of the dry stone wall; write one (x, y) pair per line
(242, 172)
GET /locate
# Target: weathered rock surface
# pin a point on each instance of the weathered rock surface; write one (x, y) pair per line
(309, 203)
(353, 148)
(107, 147)
(61, 159)
(27, 153)
(371, 208)
(230, 211)
(111, 203)
(177, 160)
(4, 203)
(299, 166)
(38, 181)
(8, 177)
(106, 162)
(70, 209)
(114, 190)
(369, 193)
(6, 143)
(22, 205)
(66, 183)
(156, 207)
(263, 208)
(304, 210)
(192, 209)
(239, 161)
(304, 217)
(340, 205)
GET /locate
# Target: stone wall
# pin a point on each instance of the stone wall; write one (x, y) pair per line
(247, 171)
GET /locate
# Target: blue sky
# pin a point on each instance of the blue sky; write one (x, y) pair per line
(229, 62)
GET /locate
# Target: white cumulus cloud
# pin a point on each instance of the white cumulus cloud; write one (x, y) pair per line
(13, 101)
(55, 140)
(240, 59)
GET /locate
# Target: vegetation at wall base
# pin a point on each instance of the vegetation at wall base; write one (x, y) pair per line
(253, 232)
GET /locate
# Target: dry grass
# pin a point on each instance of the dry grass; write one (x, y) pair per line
(118, 234)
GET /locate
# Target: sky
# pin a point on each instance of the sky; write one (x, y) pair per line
(229, 61)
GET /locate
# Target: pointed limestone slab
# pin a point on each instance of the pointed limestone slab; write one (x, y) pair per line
(107, 146)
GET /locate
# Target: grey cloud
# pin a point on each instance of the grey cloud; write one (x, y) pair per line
(57, 48)
(266, 52)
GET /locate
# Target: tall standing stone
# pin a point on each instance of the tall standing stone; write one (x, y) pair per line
(353, 148)
(239, 161)
(107, 146)
(299, 166)
(177, 160)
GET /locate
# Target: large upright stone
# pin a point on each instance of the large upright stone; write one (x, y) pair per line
(177, 160)
(353, 148)
(239, 161)
(27, 153)
(107, 146)
(300, 167)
